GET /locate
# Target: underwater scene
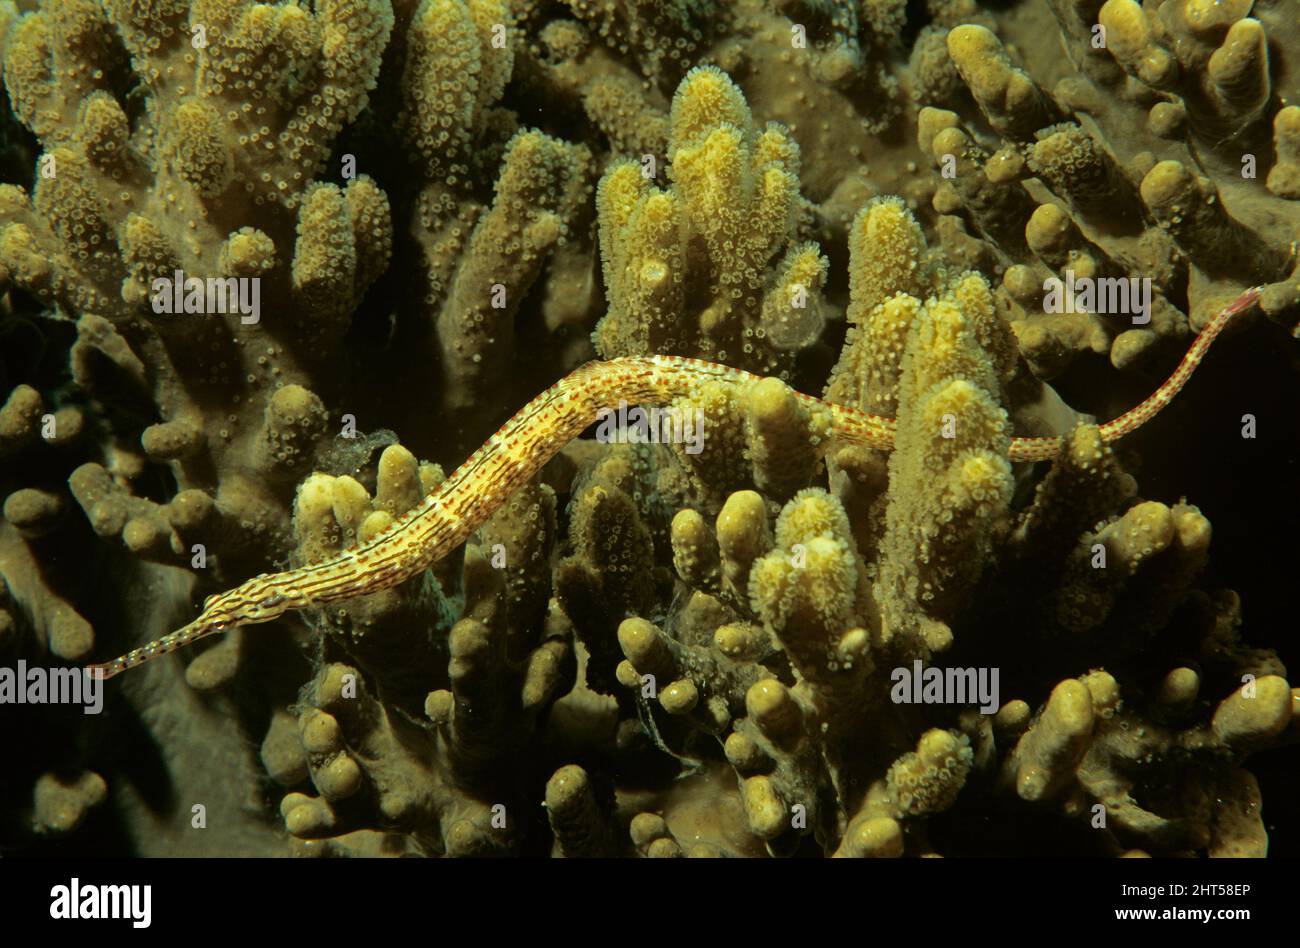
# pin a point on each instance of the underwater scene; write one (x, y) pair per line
(649, 428)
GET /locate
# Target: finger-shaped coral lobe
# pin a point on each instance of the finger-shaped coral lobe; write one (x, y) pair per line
(868, 508)
(709, 267)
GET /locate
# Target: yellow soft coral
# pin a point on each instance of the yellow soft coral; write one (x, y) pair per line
(695, 269)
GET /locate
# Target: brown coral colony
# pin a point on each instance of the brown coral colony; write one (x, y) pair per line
(767, 567)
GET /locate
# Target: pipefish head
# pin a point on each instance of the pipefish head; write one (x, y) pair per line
(157, 648)
(1245, 301)
(219, 613)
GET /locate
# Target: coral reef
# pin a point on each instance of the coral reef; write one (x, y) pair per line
(269, 270)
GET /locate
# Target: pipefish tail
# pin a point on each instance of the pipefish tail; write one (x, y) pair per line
(519, 449)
